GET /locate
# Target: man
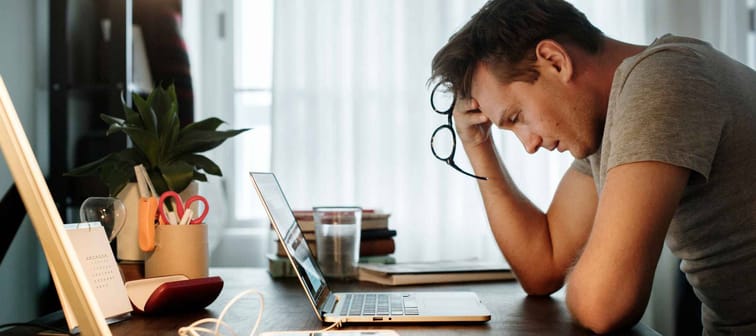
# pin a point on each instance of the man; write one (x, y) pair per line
(664, 138)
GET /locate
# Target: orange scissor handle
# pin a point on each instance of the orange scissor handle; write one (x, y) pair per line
(147, 211)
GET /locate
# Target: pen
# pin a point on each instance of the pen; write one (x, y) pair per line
(171, 216)
(188, 213)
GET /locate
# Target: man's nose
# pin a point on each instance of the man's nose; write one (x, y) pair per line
(529, 140)
(474, 104)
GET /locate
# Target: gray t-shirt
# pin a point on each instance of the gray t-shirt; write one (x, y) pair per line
(682, 102)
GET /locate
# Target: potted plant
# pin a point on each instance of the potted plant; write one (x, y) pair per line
(168, 151)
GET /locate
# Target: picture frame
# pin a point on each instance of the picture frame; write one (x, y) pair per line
(68, 275)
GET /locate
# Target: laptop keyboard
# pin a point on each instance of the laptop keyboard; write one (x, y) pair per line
(379, 304)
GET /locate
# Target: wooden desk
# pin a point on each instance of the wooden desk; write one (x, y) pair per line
(286, 308)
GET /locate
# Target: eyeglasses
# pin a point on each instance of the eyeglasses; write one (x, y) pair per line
(444, 140)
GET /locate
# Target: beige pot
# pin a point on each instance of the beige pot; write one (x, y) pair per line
(127, 241)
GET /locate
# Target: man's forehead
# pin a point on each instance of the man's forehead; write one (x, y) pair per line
(482, 80)
(485, 86)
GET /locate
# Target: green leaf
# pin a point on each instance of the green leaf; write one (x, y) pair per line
(158, 181)
(199, 176)
(133, 118)
(166, 109)
(133, 155)
(111, 119)
(147, 115)
(202, 162)
(115, 175)
(200, 141)
(115, 169)
(146, 141)
(91, 168)
(113, 129)
(116, 124)
(177, 174)
(209, 124)
(168, 140)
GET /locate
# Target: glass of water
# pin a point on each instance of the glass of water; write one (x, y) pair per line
(337, 239)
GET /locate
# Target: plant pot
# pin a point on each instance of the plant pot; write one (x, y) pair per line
(127, 242)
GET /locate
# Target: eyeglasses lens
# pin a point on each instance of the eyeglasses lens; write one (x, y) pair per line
(442, 143)
(442, 99)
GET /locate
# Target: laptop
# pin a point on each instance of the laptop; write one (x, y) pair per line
(357, 307)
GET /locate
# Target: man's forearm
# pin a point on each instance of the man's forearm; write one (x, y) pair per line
(521, 229)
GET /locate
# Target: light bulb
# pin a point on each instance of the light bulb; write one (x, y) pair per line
(109, 211)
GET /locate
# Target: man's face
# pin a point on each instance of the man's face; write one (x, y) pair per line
(547, 113)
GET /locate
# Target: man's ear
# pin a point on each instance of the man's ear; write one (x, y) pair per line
(552, 56)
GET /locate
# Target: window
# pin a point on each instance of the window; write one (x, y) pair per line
(752, 33)
(253, 64)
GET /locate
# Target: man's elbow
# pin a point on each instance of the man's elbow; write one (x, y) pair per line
(599, 323)
(541, 286)
(602, 313)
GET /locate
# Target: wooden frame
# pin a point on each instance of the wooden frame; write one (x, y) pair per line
(70, 280)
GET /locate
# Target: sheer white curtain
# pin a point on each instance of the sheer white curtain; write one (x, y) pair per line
(352, 121)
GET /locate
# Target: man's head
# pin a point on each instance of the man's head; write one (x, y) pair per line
(504, 34)
(515, 61)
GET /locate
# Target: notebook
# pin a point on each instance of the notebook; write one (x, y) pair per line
(357, 307)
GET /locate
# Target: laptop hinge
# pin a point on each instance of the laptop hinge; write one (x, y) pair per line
(328, 305)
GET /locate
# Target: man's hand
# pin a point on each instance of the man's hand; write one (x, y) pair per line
(473, 128)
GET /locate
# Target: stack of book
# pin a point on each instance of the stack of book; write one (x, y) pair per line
(376, 241)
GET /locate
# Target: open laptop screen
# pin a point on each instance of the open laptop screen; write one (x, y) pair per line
(282, 217)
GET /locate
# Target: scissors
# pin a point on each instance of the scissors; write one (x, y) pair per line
(181, 209)
(147, 211)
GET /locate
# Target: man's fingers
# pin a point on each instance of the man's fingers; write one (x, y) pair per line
(471, 118)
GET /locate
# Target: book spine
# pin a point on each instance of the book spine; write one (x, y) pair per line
(370, 219)
(375, 247)
(280, 267)
(368, 234)
(372, 247)
(377, 224)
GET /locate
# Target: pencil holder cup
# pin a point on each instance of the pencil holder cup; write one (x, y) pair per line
(179, 249)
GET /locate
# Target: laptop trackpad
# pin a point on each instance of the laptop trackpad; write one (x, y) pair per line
(450, 303)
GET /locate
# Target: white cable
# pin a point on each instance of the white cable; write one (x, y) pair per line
(336, 324)
(194, 329)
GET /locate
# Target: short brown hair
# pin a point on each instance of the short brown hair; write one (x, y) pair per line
(504, 33)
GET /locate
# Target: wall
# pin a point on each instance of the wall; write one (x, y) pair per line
(23, 273)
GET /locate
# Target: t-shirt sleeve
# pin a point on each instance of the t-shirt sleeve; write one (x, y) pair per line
(667, 111)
